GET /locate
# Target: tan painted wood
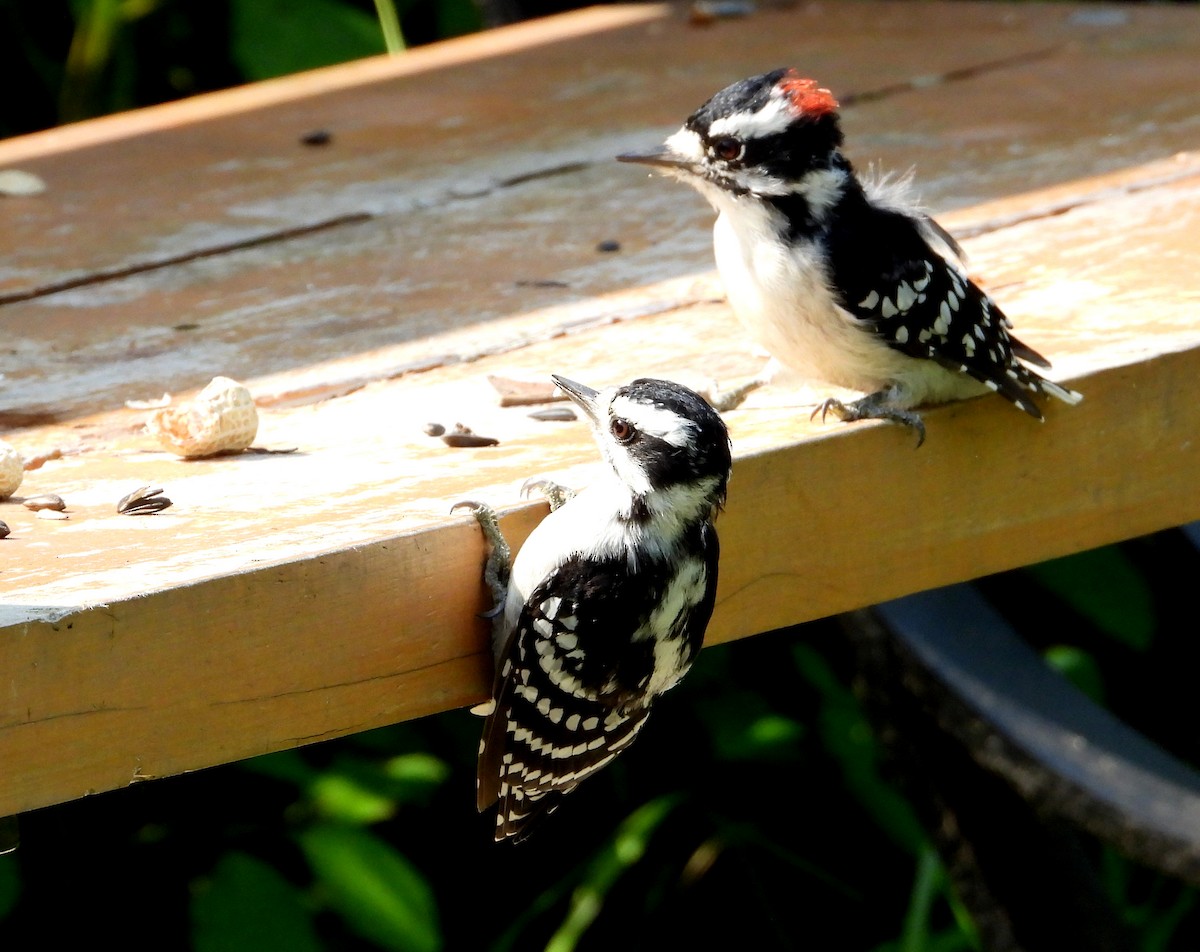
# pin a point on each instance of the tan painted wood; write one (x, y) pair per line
(284, 599)
(461, 184)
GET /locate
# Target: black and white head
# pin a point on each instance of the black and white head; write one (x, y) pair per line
(661, 440)
(768, 136)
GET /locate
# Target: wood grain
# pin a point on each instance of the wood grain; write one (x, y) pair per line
(284, 599)
(473, 186)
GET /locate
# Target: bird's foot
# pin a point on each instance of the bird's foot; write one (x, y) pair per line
(555, 494)
(871, 407)
(498, 567)
(723, 400)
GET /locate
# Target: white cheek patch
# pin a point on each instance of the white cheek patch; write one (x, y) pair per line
(771, 119)
(655, 421)
(757, 182)
(687, 144)
(822, 188)
(630, 473)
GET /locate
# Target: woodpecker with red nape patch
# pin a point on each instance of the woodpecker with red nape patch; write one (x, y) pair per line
(606, 604)
(841, 281)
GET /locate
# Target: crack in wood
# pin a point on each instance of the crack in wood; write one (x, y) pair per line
(17, 725)
(552, 171)
(116, 274)
(373, 679)
(949, 76)
(450, 197)
(285, 234)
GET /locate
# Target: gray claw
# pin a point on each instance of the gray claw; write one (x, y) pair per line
(498, 567)
(725, 400)
(555, 494)
(871, 407)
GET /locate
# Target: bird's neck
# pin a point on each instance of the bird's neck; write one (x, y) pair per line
(813, 197)
(657, 522)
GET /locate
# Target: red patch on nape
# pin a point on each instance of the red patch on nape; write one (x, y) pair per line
(805, 96)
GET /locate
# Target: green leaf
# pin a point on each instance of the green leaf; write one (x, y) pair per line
(357, 790)
(1079, 667)
(277, 37)
(377, 892)
(341, 797)
(625, 849)
(928, 884)
(1159, 931)
(246, 904)
(353, 790)
(1105, 588)
(741, 726)
(917, 934)
(416, 775)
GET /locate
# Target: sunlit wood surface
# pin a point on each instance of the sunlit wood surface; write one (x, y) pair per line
(450, 230)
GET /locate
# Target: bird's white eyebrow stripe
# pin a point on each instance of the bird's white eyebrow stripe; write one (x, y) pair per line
(657, 421)
(773, 118)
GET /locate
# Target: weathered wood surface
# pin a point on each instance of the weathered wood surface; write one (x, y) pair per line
(448, 232)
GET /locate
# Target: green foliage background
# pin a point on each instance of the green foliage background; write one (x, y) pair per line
(72, 59)
(753, 813)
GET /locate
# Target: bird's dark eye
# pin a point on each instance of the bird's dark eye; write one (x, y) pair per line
(622, 430)
(728, 149)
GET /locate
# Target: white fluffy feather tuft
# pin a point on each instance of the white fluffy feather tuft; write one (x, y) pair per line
(895, 192)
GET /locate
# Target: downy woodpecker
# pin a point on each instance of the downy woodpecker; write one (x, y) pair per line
(839, 281)
(606, 604)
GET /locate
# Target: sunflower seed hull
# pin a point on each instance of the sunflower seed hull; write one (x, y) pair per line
(48, 501)
(147, 507)
(469, 439)
(142, 492)
(554, 414)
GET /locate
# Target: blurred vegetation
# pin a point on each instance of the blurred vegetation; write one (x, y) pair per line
(73, 59)
(754, 812)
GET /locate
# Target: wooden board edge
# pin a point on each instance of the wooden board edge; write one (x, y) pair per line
(289, 654)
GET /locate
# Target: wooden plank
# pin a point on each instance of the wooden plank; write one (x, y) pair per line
(285, 599)
(347, 470)
(360, 611)
(422, 214)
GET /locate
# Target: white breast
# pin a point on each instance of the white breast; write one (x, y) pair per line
(782, 297)
(577, 523)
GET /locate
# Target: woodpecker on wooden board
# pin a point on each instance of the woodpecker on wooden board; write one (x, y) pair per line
(840, 280)
(606, 604)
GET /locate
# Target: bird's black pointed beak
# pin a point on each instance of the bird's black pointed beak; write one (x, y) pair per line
(663, 157)
(583, 396)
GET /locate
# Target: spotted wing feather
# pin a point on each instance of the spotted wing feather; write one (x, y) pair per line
(925, 306)
(571, 684)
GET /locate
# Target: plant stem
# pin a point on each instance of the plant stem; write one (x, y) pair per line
(389, 23)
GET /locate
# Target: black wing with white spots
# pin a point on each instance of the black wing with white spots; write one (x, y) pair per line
(592, 648)
(888, 275)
